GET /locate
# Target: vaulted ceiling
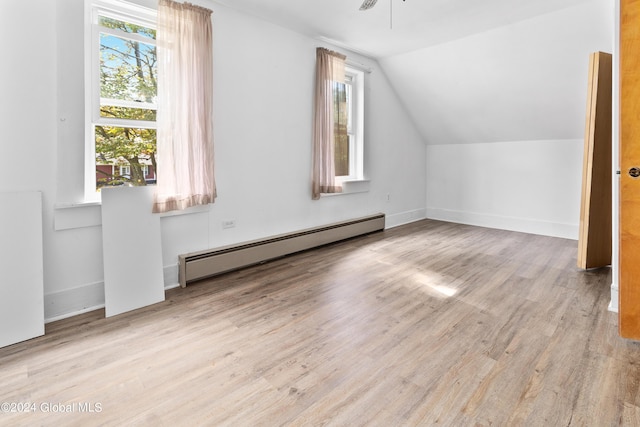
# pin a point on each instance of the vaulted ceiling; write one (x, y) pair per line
(467, 71)
(394, 26)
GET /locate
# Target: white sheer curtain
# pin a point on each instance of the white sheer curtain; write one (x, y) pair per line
(185, 107)
(329, 70)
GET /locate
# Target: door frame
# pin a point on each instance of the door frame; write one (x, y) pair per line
(615, 159)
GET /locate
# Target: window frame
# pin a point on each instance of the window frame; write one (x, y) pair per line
(125, 171)
(123, 11)
(354, 78)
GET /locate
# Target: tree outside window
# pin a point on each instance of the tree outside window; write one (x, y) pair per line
(341, 129)
(125, 134)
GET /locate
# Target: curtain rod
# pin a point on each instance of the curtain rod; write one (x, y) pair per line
(358, 66)
(342, 47)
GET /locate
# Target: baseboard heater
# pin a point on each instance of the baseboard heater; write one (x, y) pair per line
(200, 265)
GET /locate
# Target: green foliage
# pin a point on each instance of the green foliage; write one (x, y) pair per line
(127, 143)
(128, 113)
(127, 73)
(116, 145)
(341, 138)
(127, 27)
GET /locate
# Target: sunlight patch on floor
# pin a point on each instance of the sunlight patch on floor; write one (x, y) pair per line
(432, 283)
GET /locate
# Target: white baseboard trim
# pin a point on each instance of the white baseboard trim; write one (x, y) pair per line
(75, 313)
(524, 225)
(71, 302)
(171, 276)
(83, 299)
(395, 220)
(613, 304)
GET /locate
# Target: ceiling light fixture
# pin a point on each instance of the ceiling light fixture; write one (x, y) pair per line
(368, 4)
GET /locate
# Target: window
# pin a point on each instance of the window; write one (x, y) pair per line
(121, 99)
(349, 111)
(338, 124)
(125, 171)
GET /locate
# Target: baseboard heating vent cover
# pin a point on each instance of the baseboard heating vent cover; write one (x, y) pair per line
(200, 265)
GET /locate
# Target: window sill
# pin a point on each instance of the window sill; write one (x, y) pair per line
(351, 187)
(68, 216)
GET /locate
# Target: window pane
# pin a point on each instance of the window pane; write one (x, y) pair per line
(127, 69)
(121, 149)
(342, 155)
(127, 27)
(341, 148)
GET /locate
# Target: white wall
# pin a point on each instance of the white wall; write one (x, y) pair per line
(529, 186)
(263, 108)
(495, 109)
(503, 115)
(28, 95)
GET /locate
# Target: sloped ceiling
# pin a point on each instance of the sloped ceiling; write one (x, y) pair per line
(378, 33)
(521, 82)
(467, 71)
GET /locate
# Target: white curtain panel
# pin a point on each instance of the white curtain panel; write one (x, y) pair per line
(185, 107)
(329, 69)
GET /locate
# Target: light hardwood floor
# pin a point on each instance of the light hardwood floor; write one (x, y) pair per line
(430, 323)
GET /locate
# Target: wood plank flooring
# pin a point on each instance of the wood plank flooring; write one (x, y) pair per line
(430, 323)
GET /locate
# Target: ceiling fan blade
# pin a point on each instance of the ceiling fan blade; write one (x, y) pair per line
(368, 4)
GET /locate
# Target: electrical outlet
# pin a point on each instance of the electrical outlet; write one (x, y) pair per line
(230, 223)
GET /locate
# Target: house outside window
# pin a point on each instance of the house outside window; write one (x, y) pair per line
(121, 135)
